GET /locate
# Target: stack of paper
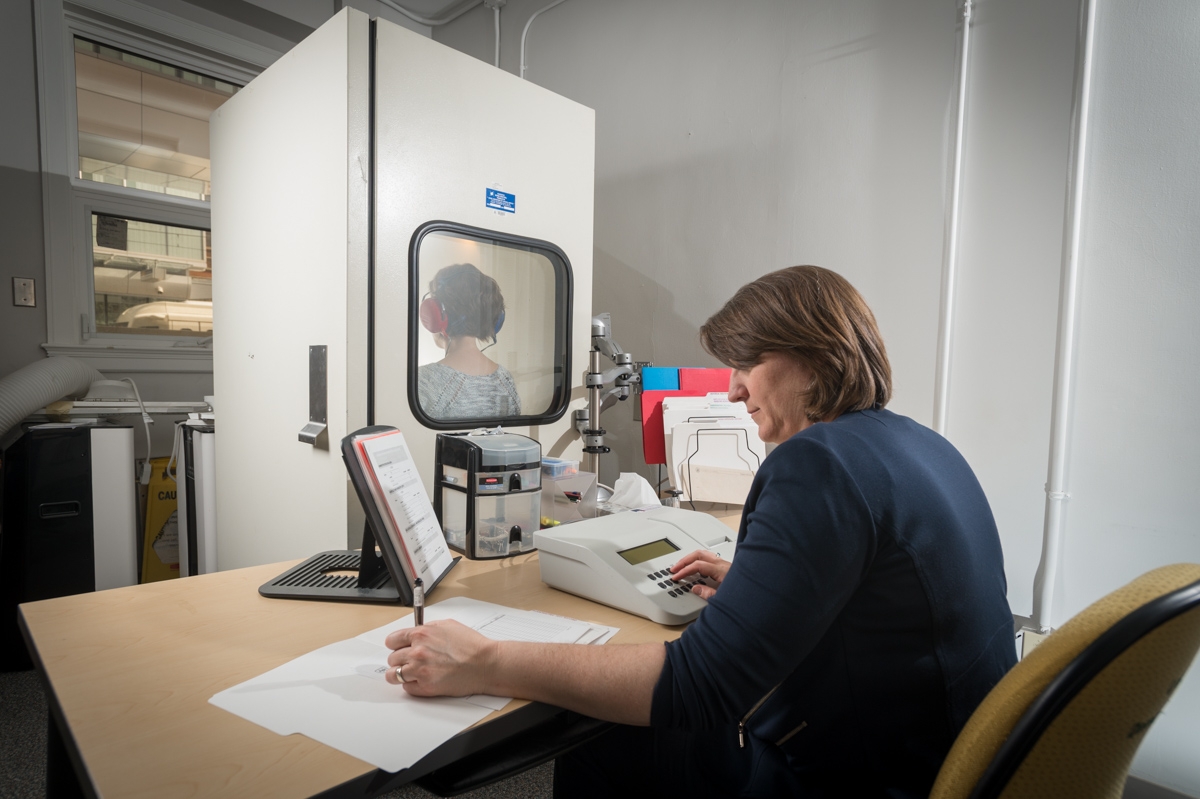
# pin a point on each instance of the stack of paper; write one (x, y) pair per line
(337, 694)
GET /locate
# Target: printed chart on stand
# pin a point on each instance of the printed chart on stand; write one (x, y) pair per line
(410, 520)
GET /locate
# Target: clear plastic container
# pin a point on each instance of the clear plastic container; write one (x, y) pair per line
(557, 468)
(496, 516)
(569, 499)
(454, 518)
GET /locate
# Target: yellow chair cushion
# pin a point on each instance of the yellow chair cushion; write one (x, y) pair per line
(995, 717)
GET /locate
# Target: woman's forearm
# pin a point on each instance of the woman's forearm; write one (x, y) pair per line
(613, 683)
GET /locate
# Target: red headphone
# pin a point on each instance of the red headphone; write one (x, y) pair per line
(433, 315)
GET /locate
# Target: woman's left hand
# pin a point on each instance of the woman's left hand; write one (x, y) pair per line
(442, 658)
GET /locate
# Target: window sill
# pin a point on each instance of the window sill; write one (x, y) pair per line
(110, 356)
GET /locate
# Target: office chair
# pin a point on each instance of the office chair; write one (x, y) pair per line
(1067, 720)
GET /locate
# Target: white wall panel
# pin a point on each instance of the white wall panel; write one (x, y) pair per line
(1134, 461)
(1014, 188)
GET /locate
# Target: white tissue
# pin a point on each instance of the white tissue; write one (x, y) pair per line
(633, 491)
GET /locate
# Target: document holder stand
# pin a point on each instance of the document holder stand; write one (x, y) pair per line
(379, 578)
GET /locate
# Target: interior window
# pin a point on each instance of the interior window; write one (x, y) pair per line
(151, 278)
(143, 124)
(489, 328)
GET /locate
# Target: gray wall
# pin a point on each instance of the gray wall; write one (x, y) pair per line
(22, 330)
(1014, 189)
(734, 139)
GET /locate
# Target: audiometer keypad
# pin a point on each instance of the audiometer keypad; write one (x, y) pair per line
(670, 586)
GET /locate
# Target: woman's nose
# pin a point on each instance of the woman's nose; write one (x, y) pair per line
(737, 389)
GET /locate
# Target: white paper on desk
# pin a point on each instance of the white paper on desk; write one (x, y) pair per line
(322, 695)
(337, 694)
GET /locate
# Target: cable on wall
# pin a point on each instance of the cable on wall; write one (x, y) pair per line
(525, 32)
(1066, 349)
(941, 394)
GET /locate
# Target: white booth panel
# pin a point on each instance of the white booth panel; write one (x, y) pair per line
(289, 253)
(450, 127)
(291, 220)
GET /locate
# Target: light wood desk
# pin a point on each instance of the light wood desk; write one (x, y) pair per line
(129, 672)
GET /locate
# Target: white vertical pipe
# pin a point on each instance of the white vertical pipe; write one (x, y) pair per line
(1068, 345)
(496, 16)
(525, 32)
(941, 393)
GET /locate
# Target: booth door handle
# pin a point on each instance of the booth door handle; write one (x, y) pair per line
(318, 397)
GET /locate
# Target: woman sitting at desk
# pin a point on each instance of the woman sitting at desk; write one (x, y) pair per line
(862, 621)
(464, 307)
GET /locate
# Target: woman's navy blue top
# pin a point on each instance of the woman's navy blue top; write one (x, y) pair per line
(863, 619)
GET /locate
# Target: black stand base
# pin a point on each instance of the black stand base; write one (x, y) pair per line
(316, 578)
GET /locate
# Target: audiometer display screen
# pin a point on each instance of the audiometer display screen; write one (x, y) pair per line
(648, 551)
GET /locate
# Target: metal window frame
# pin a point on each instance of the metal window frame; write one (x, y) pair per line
(564, 293)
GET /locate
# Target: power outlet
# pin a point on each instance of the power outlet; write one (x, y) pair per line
(23, 292)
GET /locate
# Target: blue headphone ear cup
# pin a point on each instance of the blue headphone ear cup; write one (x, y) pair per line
(499, 324)
(433, 315)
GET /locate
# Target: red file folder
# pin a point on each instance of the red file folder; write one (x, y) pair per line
(692, 383)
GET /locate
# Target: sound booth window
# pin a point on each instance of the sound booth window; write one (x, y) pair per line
(489, 328)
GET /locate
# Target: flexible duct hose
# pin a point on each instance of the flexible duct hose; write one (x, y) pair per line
(35, 386)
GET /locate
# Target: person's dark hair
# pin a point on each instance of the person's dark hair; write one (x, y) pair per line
(472, 300)
(816, 316)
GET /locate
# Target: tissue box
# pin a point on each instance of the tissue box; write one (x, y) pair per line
(556, 468)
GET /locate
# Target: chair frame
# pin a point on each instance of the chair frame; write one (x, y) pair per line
(1063, 689)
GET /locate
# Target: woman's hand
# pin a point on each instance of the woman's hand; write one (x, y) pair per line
(705, 564)
(442, 658)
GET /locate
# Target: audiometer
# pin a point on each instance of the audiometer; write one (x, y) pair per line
(624, 560)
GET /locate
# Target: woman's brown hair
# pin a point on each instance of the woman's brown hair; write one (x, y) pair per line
(470, 299)
(816, 316)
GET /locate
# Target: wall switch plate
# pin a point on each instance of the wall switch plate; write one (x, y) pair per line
(23, 291)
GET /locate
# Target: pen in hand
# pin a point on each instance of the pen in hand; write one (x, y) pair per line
(418, 603)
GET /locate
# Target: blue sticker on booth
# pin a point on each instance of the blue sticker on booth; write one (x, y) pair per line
(501, 201)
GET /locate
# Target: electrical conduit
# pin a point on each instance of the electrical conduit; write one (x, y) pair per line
(525, 32)
(941, 394)
(1067, 347)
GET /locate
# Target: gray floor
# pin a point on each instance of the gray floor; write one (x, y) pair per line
(23, 750)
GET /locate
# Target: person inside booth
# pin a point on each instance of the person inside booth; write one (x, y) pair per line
(463, 308)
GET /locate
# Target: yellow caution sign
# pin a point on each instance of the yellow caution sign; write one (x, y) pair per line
(160, 546)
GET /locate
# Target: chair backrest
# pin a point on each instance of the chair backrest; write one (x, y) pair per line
(1068, 719)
